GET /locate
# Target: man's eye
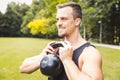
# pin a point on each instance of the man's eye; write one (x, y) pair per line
(63, 18)
(56, 19)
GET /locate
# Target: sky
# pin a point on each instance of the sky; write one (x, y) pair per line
(3, 3)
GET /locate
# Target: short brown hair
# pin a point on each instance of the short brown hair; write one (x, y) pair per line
(77, 12)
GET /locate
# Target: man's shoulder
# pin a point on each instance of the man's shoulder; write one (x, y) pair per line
(91, 52)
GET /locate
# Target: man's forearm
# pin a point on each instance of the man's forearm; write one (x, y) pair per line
(30, 65)
(73, 72)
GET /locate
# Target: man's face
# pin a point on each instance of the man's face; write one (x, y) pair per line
(65, 21)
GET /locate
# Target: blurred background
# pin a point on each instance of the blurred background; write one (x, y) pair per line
(36, 18)
(26, 26)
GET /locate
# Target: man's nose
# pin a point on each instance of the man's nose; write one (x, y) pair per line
(59, 23)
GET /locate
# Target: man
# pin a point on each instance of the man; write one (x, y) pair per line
(81, 60)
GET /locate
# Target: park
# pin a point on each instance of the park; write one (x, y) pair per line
(25, 30)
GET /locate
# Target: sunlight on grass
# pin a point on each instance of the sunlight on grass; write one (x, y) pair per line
(13, 51)
(111, 63)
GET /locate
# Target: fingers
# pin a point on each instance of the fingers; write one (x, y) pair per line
(65, 52)
(48, 48)
(66, 44)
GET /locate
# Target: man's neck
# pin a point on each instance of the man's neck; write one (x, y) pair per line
(75, 39)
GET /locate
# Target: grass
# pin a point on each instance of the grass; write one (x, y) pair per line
(111, 63)
(14, 50)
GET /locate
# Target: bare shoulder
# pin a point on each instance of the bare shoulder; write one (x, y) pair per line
(92, 63)
(92, 53)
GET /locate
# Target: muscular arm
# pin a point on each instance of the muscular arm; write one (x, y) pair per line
(93, 63)
(31, 64)
(91, 68)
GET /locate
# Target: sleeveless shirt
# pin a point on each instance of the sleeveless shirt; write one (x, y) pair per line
(77, 52)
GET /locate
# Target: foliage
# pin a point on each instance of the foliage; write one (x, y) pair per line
(30, 14)
(39, 26)
(114, 23)
(10, 21)
(48, 28)
(106, 11)
(101, 10)
(88, 18)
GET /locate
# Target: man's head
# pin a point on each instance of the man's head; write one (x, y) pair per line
(68, 18)
(77, 12)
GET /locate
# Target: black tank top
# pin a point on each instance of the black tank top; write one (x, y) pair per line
(77, 53)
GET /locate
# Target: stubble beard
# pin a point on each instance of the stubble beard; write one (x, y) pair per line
(61, 35)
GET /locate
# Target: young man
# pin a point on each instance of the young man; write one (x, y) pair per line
(81, 60)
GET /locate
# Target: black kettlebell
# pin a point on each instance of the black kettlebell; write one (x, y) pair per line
(51, 65)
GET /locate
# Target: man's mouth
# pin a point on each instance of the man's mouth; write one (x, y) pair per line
(61, 29)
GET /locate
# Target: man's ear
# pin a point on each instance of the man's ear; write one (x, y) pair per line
(77, 21)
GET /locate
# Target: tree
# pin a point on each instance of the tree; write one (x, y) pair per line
(12, 19)
(114, 24)
(93, 12)
(30, 15)
(100, 10)
(48, 12)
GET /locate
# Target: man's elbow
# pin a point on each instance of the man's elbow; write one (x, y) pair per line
(24, 70)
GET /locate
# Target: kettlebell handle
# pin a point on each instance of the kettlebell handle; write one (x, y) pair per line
(56, 45)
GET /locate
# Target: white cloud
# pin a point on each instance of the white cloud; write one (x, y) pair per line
(3, 3)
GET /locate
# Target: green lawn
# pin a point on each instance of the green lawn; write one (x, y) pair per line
(14, 50)
(111, 63)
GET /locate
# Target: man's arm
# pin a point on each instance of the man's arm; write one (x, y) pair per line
(92, 63)
(32, 64)
(91, 68)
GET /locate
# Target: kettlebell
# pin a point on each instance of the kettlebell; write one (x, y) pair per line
(51, 65)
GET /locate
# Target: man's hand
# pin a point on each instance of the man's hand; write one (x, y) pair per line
(66, 52)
